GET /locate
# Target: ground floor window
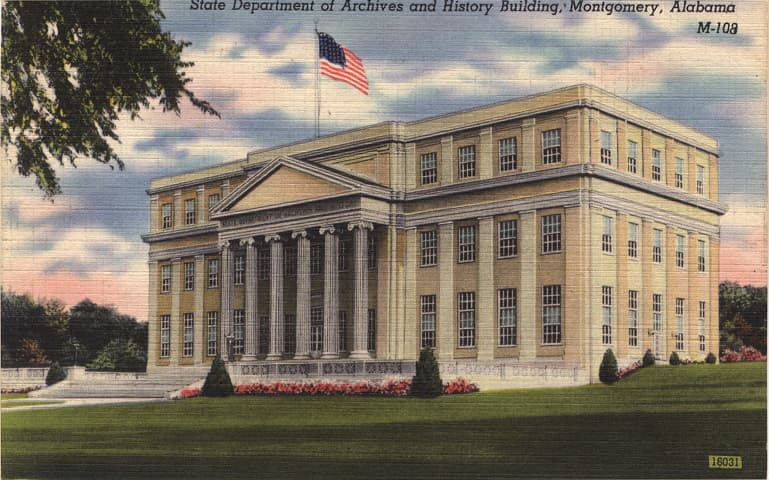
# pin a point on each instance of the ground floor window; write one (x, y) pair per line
(289, 334)
(551, 314)
(466, 311)
(316, 329)
(189, 334)
(606, 304)
(264, 334)
(165, 336)
(239, 330)
(371, 341)
(507, 317)
(427, 309)
(632, 305)
(680, 320)
(701, 320)
(342, 330)
(212, 333)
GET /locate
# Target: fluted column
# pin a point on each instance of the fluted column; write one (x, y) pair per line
(276, 296)
(360, 306)
(251, 305)
(302, 294)
(226, 290)
(330, 293)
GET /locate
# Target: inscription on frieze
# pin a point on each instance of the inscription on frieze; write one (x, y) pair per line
(290, 212)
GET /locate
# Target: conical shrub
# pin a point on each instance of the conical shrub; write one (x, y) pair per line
(55, 374)
(648, 359)
(427, 381)
(608, 372)
(674, 359)
(710, 358)
(218, 383)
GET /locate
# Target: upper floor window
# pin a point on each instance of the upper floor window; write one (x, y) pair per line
(632, 240)
(263, 263)
(508, 238)
(656, 165)
(701, 256)
(168, 217)
(551, 314)
(189, 276)
(700, 180)
(680, 252)
(551, 146)
(429, 168)
(508, 154)
(371, 252)
(213, 273)
(165, 279)
(657, 246)
(632, 156)
(507, 314)
(679, 172)
(289, 260)
(606, 304)
(466, 244)
(344, 248)
(213, 200)
(239, 272)
(316, 258)
(606, 150)
(551, 233)
(607, 243)
(189, 211)
(467, 161)
(429, 248)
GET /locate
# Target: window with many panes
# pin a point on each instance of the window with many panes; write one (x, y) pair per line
(632, 156)
(507, 315)
(466, 318)
(657, 312)
(344, 251)
(239, 272)
(656, 165)
(371, 252)
(165, 279)
(316, 258)
(238, 330)
(679, 173)
(606, 147)
(316, 329)
(189, 211)
(189, 334)
(167, 215)
(551, 314)
(371, 340)
(289, 333)
(632, 240)
(467, 161)
(632, 314)
(466, 244)
(551, 146)
(289, 260)
(342, 330)
(508, 238)
(700, 180)
(165, 336)
(680, 322)
(551, 233)
(212, 333)
(213, 200)
(427, 320)
(263, 263)
(189, 276)
(701, 256)
(429, 168)
(680, 252)
(657, 246)
(701, 322)
(606, 304)
(607, 242)
(508, 154)
(429, 248)
(213, 273)
(264, 334)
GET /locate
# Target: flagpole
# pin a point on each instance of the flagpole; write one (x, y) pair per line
(317, 81)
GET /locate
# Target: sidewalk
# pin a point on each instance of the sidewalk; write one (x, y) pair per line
(73, 402)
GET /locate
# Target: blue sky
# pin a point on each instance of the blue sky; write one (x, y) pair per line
(258, 71)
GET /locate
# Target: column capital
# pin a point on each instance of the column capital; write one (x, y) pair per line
(176, 260)
(248, 241)
(361, 225)
(275, 237)
(177, 193)
(225, 245)
(299, 233)
(327, 229)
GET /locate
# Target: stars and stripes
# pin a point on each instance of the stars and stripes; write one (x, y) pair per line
(341, 64)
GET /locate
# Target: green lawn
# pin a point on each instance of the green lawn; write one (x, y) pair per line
(659, 422)
(12, 396)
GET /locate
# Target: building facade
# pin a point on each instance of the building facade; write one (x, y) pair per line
(522, 235)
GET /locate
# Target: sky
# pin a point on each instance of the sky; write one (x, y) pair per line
(258, 71)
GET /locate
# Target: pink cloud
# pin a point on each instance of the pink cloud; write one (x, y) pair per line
(743, 254)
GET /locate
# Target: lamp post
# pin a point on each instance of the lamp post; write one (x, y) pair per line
(230, 340)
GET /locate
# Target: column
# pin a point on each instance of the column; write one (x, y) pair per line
(302, 294)
(446, 317)
(250, 339)
(529, 336)
(331, 292)
(226, 309)
(360, 306)
(276, 296)
(486, 304)
(199, 344)
(176, 322)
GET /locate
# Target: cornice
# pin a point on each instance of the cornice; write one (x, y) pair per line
(210, 227)
(174, 253)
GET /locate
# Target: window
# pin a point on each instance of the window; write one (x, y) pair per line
(632, 314)
(263, 264)
(701, 256)
(213, 273)
(656, 165)
(632, 240)
(429, 247)
(606, 149)
(213, 200)
(551, 146)
(700, 180)
(165, 279)
(371, 252)
(189, 334)
(466, 244)
(168, 218)
(239, 331)
(264, 334)
(289, 260)
(657, 312)
(316, 258)
(212, 333)
(427, 309)
(467, 161)
(680, 321)
(316, 329)
(189, 276)
(371, 340)
(466, 312)
(289, 336)
(344, 248)
(342, 331)
(429, 168)
(239, 274)
(165, 336)
(508, 238)
(506, 303)
(680, 263)
(657, 246)
(701, 321)
(551, 233)
(632, 157)
(606, 303)
(551, 314)
(508, 154)
(189, 211)
(679, 172)
(606, 238)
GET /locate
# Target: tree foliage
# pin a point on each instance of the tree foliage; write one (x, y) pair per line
(427, 381)
(69, 69)
(742, 316)
(120, 355)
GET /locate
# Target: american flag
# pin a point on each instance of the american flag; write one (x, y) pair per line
(341, 64)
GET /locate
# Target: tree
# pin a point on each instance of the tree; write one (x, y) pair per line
(29, 352)
(608, 372)
(427, 381)
(120, 355)
(218, 383)
(69, 69)
(94, 326)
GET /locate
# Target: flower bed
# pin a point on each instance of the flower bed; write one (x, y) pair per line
(623, 372)
(744, 354)
(20, 390)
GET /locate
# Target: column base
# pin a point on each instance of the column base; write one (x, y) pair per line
(273, 356)
(301, 356)
(329, 356)
(360, 355)
(247, 358)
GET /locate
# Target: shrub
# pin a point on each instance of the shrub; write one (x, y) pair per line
(427, 381)
(608, 372)
(120, 355)
(744, 354)
(674, 360)
(218, 383)
(55, 374)
(648, 359)
(710, 358)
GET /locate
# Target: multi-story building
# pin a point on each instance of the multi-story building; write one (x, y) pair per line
(515, 237)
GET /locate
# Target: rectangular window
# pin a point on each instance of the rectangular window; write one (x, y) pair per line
(427, 316)
(213, 200)
(606, 304)
(701, 256)
(342, 331)
(467, 161)
(507, 315)
(466, 312)
(189, 211)
(701, 321)
(508, 154)
(632, 241)
(239, 273)
(263, 264)
(429, 168)
(656, 165)
(508, 238)
(657, 312)
(239, 331)
(316, 329)
(168, 217)
(657, 246)
(679, 172)
(264, 334)
(213, 273)
(551, 314)
(289, 335)
(607, 243)
(371, 340)
(551, 146)
(632, 157)
(189, 334)
(551, 233)
(632, 314)
(316, 258)
(165, 336)
(371, 252)
(429, 248)
(165, 279)
(466, 244)
(700, 180)
(344, 250)
(289, 260)
(606, 149)
(212, 333)
(680, 252)
(680, 321)
(189, 276)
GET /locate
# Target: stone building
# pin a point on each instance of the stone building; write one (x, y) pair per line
(519, 239)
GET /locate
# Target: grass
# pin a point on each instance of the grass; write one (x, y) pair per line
(26, 403)
(660, 422)
(12, 396)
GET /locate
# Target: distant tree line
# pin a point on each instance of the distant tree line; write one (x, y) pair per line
(40, 332)
(742, 316)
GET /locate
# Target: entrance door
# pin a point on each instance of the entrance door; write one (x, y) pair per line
(659, 339)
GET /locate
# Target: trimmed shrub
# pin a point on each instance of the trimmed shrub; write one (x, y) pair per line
(674, 360)
(218, 383)
(55, 374)
(648, 359)
(710, 358)
(608, 372)
(427, 381)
